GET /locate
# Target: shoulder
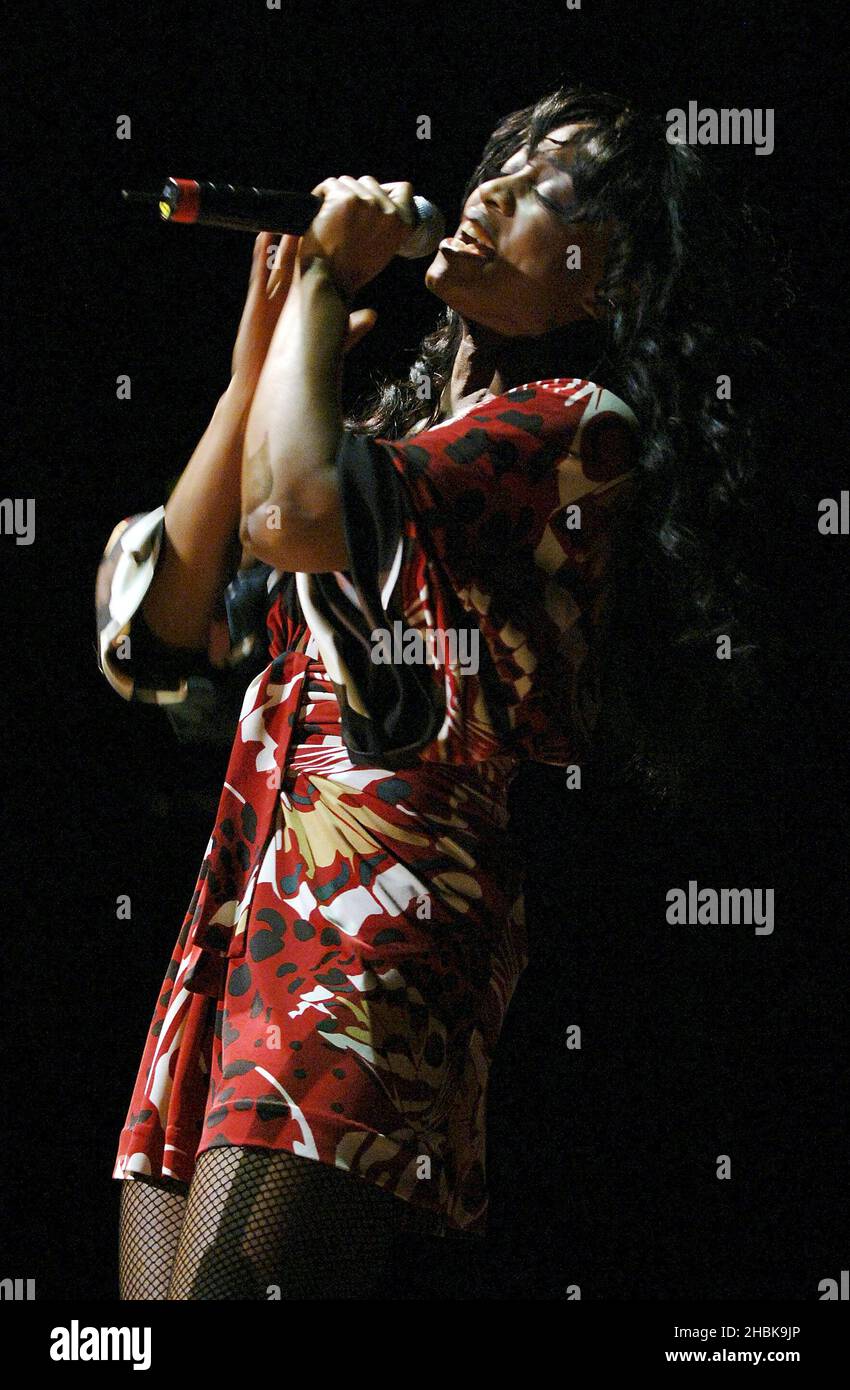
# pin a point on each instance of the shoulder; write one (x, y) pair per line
(571, 403)
(602, 429)
(559, 431)
(585, 401)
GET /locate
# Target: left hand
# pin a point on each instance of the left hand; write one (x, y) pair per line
(358, 229)
(260, 315)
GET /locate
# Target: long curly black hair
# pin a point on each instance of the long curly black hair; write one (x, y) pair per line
(693, 345)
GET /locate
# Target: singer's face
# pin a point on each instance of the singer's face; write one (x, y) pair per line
(540, 270)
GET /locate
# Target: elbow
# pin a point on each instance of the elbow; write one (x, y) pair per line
(276, 530)
(296, 538)
(264, 532)
(272, 530)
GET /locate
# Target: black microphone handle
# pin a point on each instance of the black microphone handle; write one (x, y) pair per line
(206, 204)
(200, 203)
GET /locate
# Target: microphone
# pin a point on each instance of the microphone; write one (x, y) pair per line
(205, 204)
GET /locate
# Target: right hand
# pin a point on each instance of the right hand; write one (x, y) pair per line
(261, 313)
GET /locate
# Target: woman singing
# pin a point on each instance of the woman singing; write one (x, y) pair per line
(428, 593)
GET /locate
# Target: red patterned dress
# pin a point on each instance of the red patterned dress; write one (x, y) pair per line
(344, 967)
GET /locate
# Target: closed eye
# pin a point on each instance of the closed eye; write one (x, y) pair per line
(547, 203)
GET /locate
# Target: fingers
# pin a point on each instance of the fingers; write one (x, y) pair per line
(391, 197)
(259, 258)
(401, 205)
(283, 263)
(356, 186)
(369, 190)
(359, 324)
(401, 196)
(348, 233)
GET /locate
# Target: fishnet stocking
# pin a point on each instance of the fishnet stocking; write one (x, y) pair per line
(257, 1218)
(151, 1217)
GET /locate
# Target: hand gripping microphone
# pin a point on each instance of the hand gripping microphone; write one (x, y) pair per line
(204, 204)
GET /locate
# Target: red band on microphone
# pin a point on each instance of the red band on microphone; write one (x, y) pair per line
(188, 203)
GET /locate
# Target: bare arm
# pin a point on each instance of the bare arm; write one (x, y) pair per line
(291, 510)
(202, 514)
(290, 504)
(201, 520)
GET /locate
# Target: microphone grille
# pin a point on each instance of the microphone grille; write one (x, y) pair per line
(429, 231)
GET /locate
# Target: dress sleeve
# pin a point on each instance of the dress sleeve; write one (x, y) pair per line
(201, 691)
(465, 624)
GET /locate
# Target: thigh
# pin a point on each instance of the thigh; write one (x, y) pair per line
(264, 1223)
(151, 1217)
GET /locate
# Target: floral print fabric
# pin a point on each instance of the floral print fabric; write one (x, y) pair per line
(341, 977)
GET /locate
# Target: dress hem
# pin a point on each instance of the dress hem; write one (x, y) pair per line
(176, 1160)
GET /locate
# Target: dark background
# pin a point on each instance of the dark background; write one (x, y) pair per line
(696, 1041)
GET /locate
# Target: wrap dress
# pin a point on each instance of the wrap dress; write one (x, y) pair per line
(356, 933)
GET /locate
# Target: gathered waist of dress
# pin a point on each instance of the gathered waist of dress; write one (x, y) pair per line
(317, 747)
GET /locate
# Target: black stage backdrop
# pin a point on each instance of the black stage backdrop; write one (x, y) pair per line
(697, 1041)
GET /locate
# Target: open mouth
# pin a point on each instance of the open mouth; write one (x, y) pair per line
(471, 240)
